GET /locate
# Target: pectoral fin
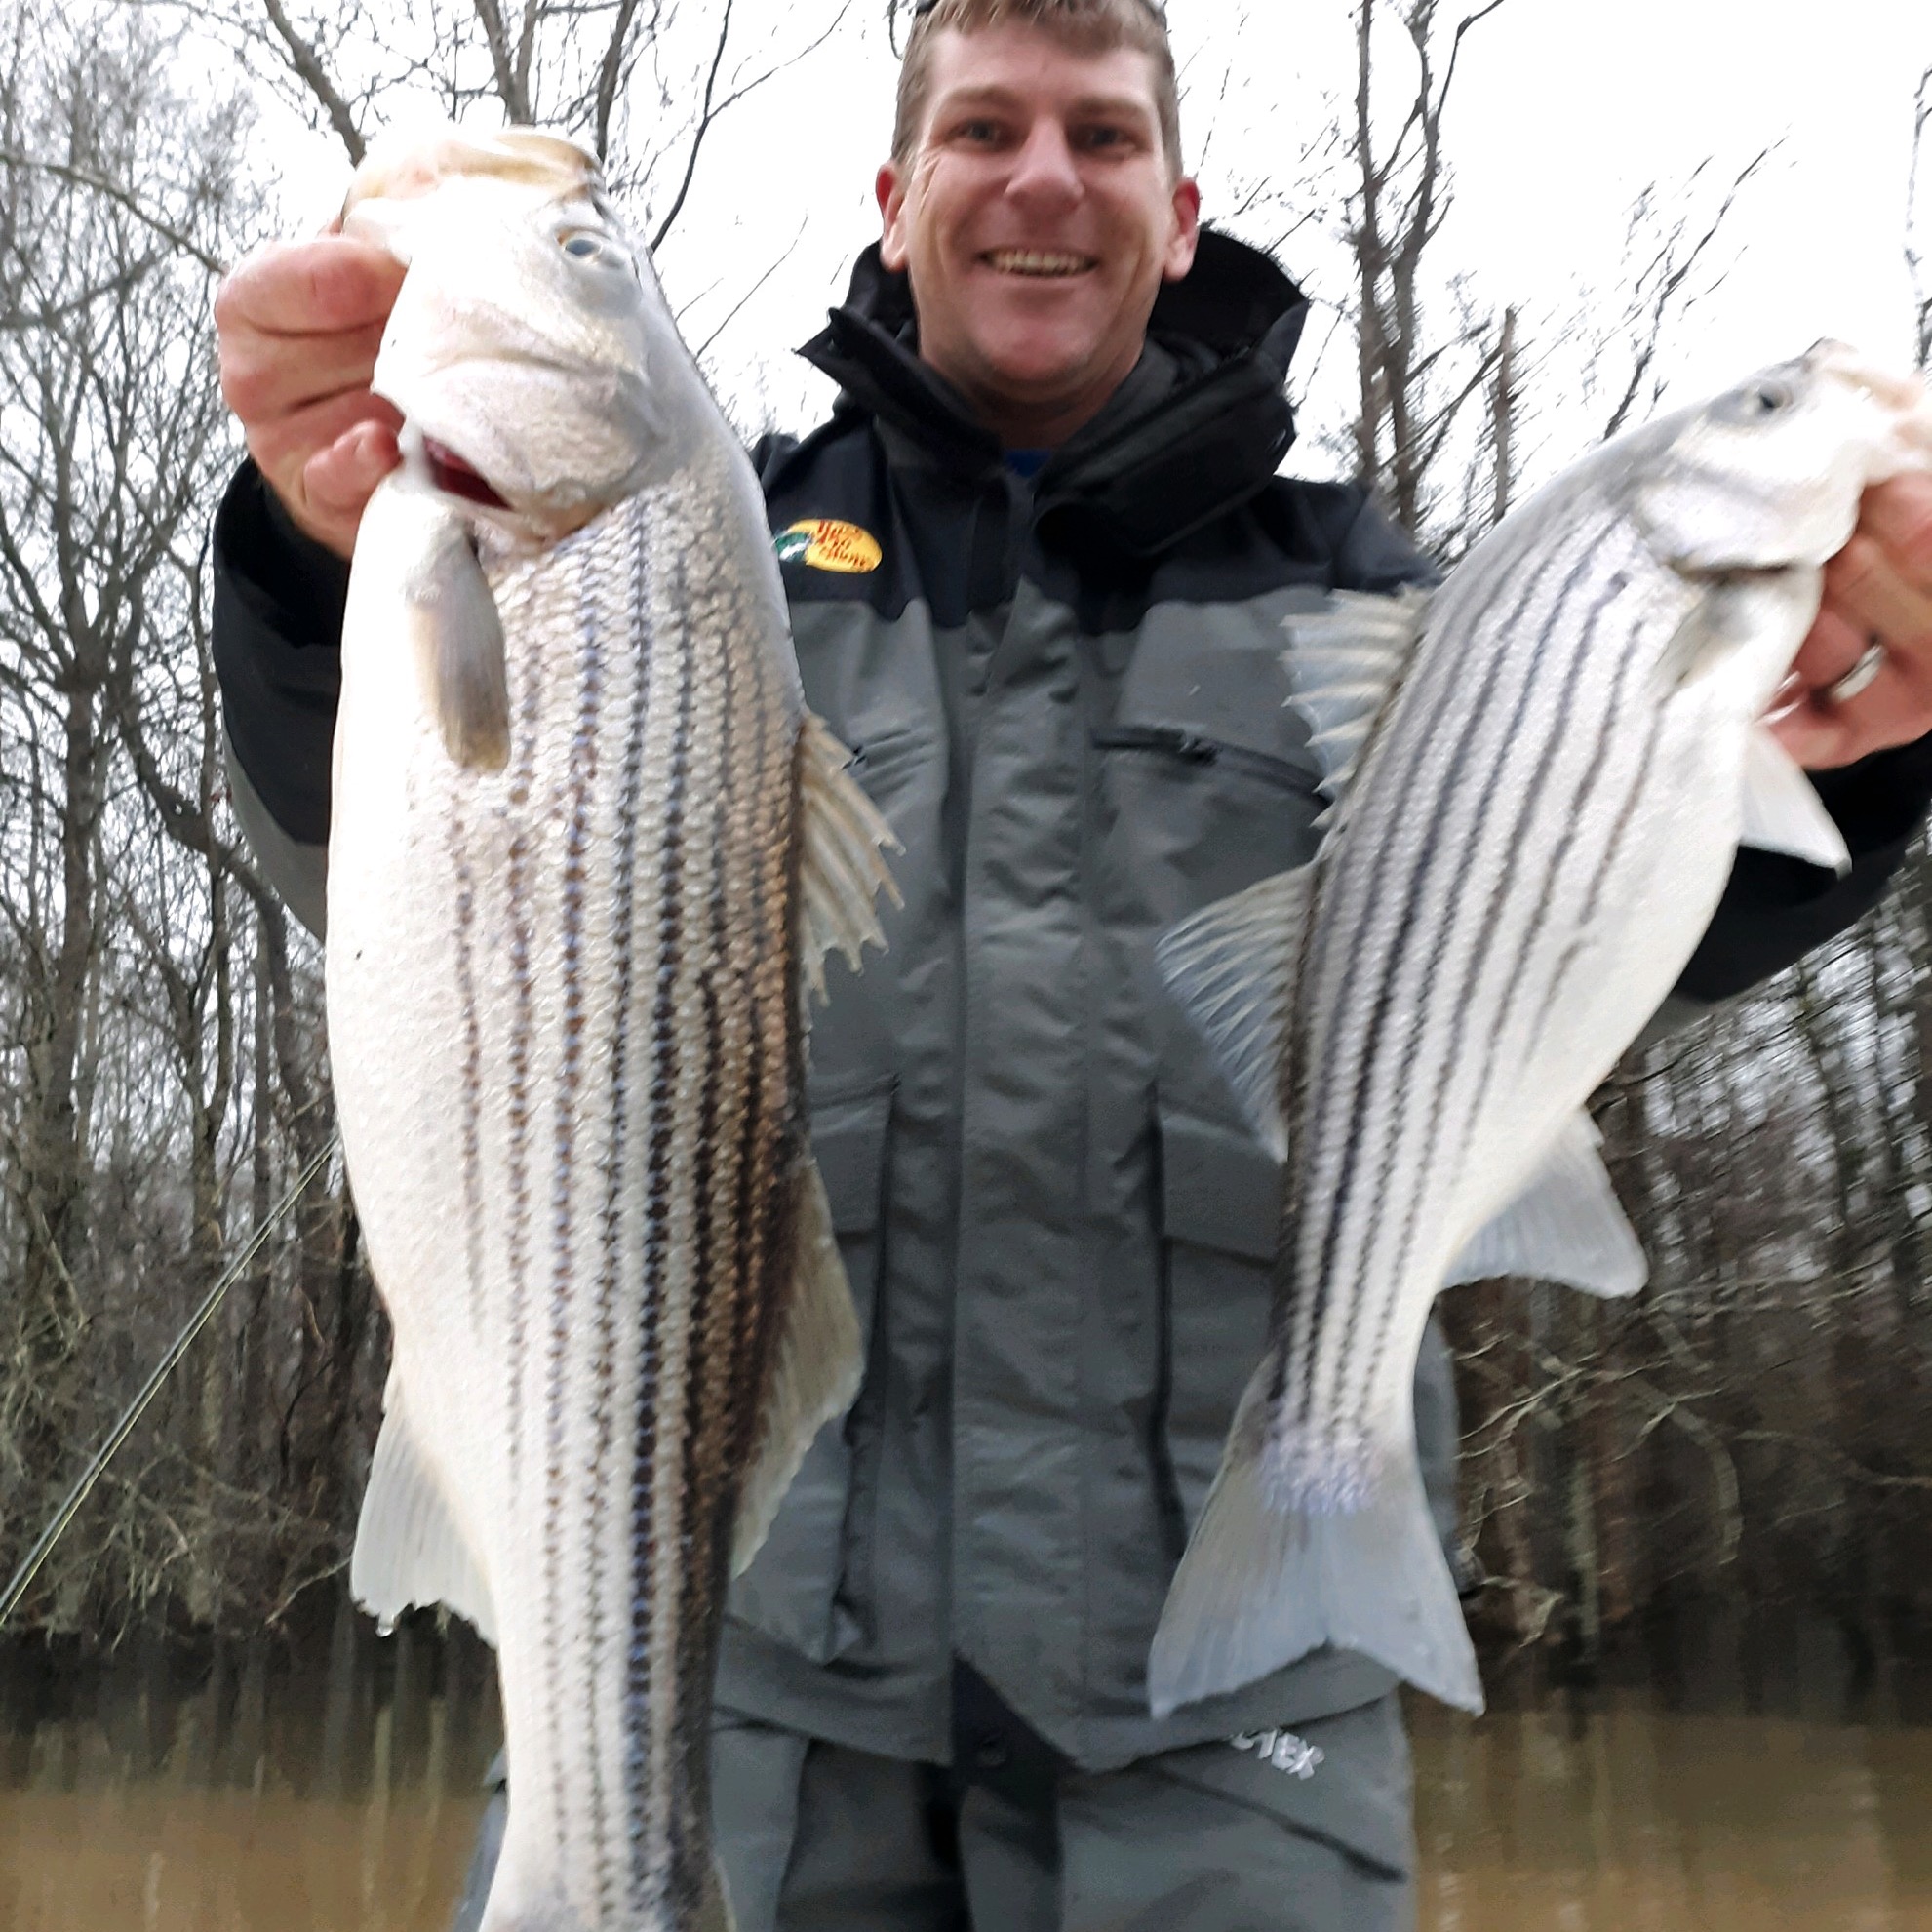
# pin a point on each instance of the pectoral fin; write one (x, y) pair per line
(1565, 1226)
(816, 1361)
(410, 1547)
(459, 640)
(1782, 809)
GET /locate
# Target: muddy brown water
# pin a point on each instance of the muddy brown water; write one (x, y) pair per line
(334, 1787)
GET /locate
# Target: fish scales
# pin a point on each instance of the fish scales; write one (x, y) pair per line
(563, 984)
(1540, 791)
(1484, 944)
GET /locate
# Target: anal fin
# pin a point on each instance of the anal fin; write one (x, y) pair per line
(1262, 1586)
(817, 1359)
(410, 1547)
(1565, 1226)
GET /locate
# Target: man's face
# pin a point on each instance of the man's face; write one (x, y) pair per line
(1037, 220)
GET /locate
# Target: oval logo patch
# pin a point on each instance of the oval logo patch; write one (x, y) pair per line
(827, 544)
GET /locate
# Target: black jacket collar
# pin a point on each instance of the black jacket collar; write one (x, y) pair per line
(1199, 426)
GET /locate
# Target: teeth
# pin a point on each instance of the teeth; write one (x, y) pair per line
(1030, 261)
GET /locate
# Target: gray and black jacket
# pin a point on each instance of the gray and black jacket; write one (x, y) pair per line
(1065, 692)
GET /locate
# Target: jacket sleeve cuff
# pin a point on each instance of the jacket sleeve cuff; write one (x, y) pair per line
(1775, 908)
(277, 627)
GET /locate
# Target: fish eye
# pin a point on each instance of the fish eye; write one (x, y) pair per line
(581, 245)
(1755, 401)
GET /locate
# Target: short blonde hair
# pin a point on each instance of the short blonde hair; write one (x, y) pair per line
(1088, 26)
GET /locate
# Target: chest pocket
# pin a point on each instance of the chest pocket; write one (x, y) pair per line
(1206, 782)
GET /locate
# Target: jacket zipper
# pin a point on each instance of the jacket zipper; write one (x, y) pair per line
(1193, 749)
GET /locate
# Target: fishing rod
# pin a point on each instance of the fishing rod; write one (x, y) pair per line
(23, 1578)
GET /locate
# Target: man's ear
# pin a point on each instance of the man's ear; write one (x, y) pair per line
(891, 193)
(1186, 232)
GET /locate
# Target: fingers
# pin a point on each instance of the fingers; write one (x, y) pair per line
(337, 482)
(310, 288)
(298, 328)
(1878, 591)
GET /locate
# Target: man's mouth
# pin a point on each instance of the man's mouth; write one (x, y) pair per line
(449, 472)
(1045, 264)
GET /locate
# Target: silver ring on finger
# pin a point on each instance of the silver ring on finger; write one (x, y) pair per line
(1859, 678)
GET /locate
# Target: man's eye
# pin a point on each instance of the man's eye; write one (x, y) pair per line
(1098, 140)
(980, 133)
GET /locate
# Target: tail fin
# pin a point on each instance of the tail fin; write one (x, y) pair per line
(1261, 1586)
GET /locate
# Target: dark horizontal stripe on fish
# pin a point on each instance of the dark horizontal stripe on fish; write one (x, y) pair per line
(566, 1127)
(609, 1283)
(522, 1031)
(643, 1715)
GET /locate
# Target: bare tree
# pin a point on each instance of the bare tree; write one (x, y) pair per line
(1919, 220)
(644, 82)
(1414, 381)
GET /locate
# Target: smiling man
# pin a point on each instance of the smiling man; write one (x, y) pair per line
(1038, 561)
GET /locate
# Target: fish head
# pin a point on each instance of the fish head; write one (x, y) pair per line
(529, 349)
(1768, 476)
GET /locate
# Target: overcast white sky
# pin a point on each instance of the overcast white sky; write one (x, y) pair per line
(1564, 111)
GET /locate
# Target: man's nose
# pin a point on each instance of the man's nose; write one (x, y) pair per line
(1043, 171)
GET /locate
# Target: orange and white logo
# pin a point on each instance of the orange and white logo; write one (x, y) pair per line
(827, 544)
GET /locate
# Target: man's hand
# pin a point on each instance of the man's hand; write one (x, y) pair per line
(1863, 679)
(298, 325)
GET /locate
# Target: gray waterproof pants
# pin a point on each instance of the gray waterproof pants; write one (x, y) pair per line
(1302, 1831)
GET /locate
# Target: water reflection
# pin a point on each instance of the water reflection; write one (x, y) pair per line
(244, 1790)
(1618, 1816)
(331, 1783)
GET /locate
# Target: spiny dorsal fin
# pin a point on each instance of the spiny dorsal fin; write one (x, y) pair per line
(1565, 1226)
(1232, 966)
(410, 1548)
(1342, 664)
(842, 867)
(1782, 809)
(817, 1359)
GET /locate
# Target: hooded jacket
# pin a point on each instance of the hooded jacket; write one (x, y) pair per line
(1065, 692)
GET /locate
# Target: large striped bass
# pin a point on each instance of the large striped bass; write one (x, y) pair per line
(1543, 775)
(587, 846)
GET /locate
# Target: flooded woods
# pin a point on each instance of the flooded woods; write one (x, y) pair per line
(334, 1783)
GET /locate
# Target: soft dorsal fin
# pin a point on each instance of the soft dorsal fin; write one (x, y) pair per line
(842, 867)
(818, 1355)
(1565, 1226)
(1232, 966)
(1342, 664)
(1782, 809)
(410, 1545)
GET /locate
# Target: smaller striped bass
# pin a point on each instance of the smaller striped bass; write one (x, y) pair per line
(1542, 775)
(588, 848)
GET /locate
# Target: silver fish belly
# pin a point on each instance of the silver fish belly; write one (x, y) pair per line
(1556, 762)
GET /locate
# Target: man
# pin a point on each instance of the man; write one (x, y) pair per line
(1037, 563)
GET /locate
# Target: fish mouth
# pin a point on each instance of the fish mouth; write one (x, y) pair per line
(457, 478)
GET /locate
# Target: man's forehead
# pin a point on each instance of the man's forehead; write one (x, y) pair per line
(1017, 60)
